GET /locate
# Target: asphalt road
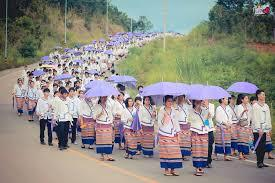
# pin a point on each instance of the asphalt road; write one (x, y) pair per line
(24, 160)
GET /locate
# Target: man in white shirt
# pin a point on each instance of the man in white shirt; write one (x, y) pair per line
(73, 108)
(44, 112)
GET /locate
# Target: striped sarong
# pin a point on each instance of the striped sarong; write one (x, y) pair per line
(104, 140)
(139, 140)
(169, 152)
(244, 134)
(117, 130)
(88, 131)
(234, 136)
(268, 145)
(199, 149)
(20, 104)
(31, 106)
(147, 141)
(220, 146)
(130, 141)
(185, 139)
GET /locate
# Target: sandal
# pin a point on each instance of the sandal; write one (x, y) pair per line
(83, 146)
(126, 156)
(198, 174)
(175, 174)
(110, 159)
(270, 157)
(227, 159)
(90, 147)
(168, 174)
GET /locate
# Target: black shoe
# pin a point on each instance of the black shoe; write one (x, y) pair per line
(61, 148)
(50, 144)
(67, 146)
(42, 143)
(261, 165)
(265, 165)
(209, 166)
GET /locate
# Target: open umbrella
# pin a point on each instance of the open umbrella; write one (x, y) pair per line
(243, 87)
(45, 58)
(104, 89)
(95, 83)
(38, 72)
(77, 53)
(162, 89)
(216, 92)
(93, 71)
(80, 62)
(108, 52)
(63, 77)
(125, 80)
(202, 92)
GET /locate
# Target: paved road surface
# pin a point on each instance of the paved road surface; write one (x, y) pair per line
(24, 160)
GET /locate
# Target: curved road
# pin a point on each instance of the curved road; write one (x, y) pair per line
(24, 160)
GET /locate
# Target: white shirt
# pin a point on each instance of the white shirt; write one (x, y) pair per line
(197, 122)
(32, 94)
(245, 116)
(44, 108)
(233, 114)
(146, 116)
(168, 128)
(261, 118)
(223, 116)
(118, 108)
(74, 106)
(210, 109)
(127, 117)
(19, 91)
(86, 109)
(106, 117)
(182, 113)
(61, 110)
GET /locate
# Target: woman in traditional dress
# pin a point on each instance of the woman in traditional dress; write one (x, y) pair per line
(169, 148)
(118, 109)
(199, 138)
(234, 120)
(19, 95)
(104, 129)
(182, 109)
(87, 122)
(147, 117)
(268, 145)
(223, 130)
(31, 98)
(244, 131)
(137, 105)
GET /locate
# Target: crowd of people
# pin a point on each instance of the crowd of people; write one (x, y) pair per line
(180, 128)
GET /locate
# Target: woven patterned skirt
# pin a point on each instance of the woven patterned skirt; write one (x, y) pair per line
(169, 152)
(88, 131)
(199, 149)
(268, 145)
(234, 136)
(104, 138)
(139, 140)
(147, 141)
(31, 106)
(20, 104)
(244, 134)
(220, 146)
(185, 140)
(130, 141)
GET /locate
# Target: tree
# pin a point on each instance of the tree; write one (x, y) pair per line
(142, 24)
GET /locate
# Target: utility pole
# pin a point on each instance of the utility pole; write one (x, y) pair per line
(107, 17)
(6, 39)
(164, 23)
(65, 23)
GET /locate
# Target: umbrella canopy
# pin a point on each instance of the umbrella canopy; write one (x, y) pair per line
(126, 80)
(202, 92)
(48, 66)
(162, 89)
(93, 71)
(216, 92)
(101, 90)
(78, 61)
(77, 53)
(65, 56)
(63, 77)
(243, 87)
(95, 83)
(38, 72)
(45, 58)
(108, 52)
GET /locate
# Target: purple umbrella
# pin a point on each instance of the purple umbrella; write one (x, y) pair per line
(65, 56)
(216, 92)
(202, 92)
(77, 53)
(94, 42)
(38, 72)
(161, 89)
(89, 48)
(104, 89)
(108, 52)
(78, 61)
(93, 71)
(243, 87)
(45, 58)
(126, 80)
(101, 40)
(95, 83)
(63, 77)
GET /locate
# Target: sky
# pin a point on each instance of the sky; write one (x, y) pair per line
(182, 15)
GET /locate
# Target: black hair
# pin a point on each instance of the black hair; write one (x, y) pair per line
(96, 74)
(61, 88)
(121, 93)
(240, 98)
(127, 102)
(220, 100)
(167, 97)
(140, 86)
(71, 89)
(253, 98)
(113, 71)
(231, 97)
(258, 92)
(63, 91)
(55, 92)
(193, 103)
(55, 85)
(150, 98)
(46, 90)
(138, 98)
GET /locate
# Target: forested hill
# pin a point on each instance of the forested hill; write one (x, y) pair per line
(35, 27)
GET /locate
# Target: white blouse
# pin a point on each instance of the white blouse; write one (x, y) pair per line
(118, 108)
(233, 114)
(74, 106)
(245, 116)
(61, 110)
(19, 91)
(168, 128)
(127, 117)
(182, 113)
(261, 118)
(223, 116)
(86, 109)
(146, 116)
(106, 117)
(197, 122)
(44, 108)
(32, 94)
